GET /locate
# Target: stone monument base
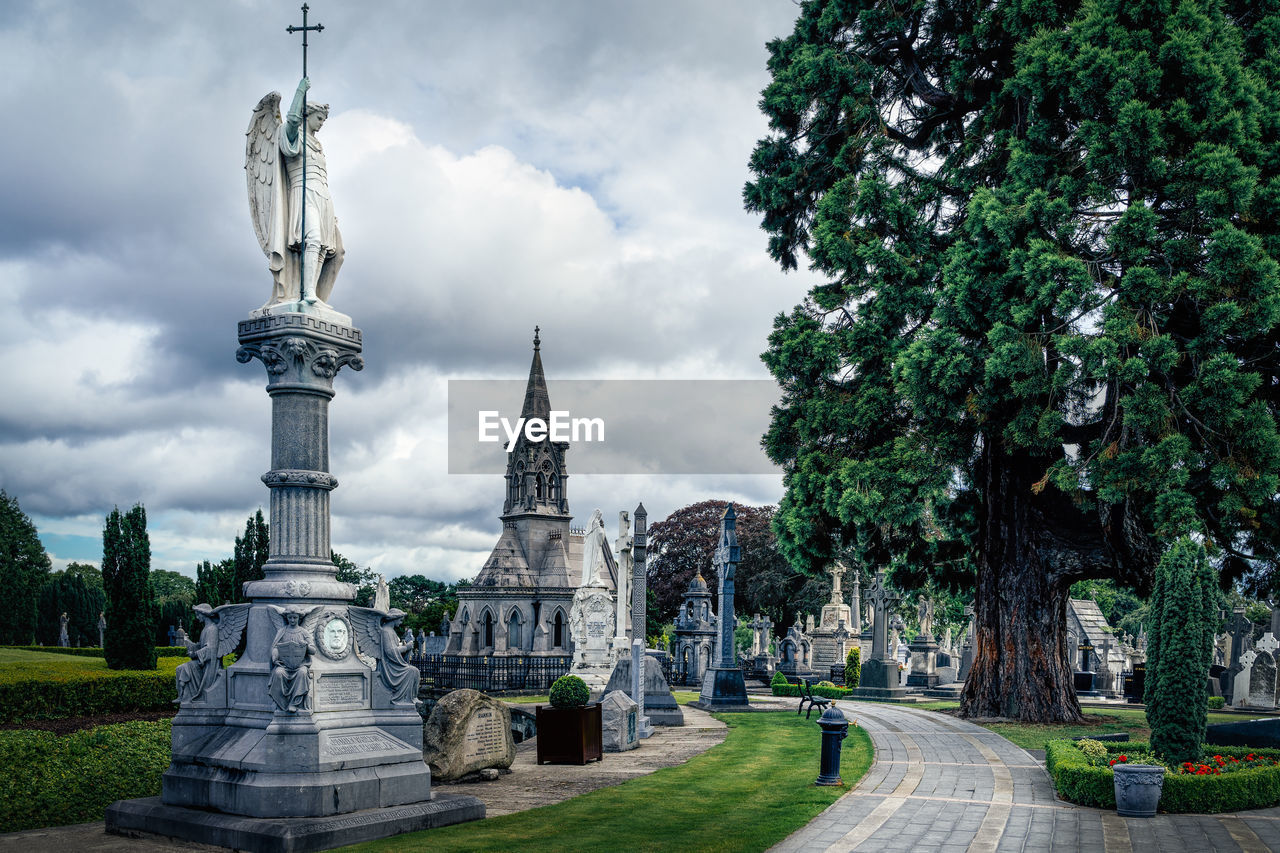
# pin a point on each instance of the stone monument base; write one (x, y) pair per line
(879, 681)
(150, 817)
(722, 690)
(660, 707)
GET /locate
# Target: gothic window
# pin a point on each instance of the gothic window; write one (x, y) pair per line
(513, 630)
(541, 487)
(553, 488)
(488, 629)
(557, 633)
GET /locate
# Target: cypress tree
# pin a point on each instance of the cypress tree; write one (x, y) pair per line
(24, 567)
(251, 552)
(1179, 651)
(126, 577)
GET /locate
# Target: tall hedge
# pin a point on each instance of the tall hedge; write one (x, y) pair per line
(126, 577)
(1179, 651)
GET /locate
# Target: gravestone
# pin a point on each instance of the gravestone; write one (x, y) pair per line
(591, 621)
(660, 706)
(1262, 681)
(467, 732)
(618, 713)
(880, 678)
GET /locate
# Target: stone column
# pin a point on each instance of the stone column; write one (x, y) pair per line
(856, 610)
(639, 591)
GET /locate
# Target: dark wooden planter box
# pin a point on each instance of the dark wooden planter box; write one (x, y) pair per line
(569, 735)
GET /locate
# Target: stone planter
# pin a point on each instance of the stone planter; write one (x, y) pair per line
(569, 735)
(1138, 788)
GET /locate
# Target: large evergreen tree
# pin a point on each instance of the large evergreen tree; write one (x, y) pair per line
(24, 566)
(1047, 322)
(126, 571)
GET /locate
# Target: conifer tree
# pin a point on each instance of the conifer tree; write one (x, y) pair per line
(251, 552)
(1047, 323)
(1179, 651)
(24, 567)
(126, 570)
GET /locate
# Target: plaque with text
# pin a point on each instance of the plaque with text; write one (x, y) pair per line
(485, 737)
(341, 691)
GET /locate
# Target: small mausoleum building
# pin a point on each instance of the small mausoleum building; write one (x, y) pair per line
(695, 633)
(519, 603)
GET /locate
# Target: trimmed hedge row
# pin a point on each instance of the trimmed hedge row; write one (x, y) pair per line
(83, 694)
(54, 781)
(1079, 782)
(96, 651)
(825, 692)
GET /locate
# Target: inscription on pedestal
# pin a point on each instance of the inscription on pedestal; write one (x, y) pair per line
(347, 690)
(485, 737)
(595, 629)
(357, 743)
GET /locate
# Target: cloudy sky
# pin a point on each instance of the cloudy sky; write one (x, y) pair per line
(494, 165)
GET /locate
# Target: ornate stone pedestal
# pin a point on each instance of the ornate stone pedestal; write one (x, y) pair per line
(924, 658)
(591, 624)
(299, 727)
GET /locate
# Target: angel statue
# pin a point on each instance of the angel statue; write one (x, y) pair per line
(219, 636)
(298, 235)
(593, 545)
(290, 684)
(376, 636)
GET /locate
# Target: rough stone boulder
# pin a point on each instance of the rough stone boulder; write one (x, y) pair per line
(466, 732)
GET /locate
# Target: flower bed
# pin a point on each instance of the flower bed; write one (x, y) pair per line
(1229, 778)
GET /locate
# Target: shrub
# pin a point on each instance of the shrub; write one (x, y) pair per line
(1254, 787)
(778, 678)
(825, 684)
(126, 577)
(1094, 751)
(1216, 703)
(54, 781)
(853, 667)
(569, 691)
(58, 693)
(826, 692)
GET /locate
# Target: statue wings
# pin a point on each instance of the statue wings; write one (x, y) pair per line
(368, 625)
(262, 168)
(231, 621)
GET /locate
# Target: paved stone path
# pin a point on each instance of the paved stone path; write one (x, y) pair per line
(940, 784)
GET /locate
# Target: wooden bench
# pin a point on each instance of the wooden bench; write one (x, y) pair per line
(807, 698)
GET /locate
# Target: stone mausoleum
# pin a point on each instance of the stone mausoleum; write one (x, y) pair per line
(520, 601)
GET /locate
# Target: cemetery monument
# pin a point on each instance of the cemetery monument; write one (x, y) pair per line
(722, 685)
(299, 744)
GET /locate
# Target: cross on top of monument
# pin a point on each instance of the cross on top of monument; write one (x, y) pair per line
(304, 29)
(837, 571)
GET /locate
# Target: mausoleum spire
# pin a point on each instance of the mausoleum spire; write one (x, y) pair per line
(537, 404)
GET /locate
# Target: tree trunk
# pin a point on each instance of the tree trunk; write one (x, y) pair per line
(1021, 667)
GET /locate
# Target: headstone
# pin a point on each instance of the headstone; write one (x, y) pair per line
(1262, 681)
(660, 706)
(1240, 684)
(466, 732)
(723, 685)
(591, 616)
(880, 678)
(618, 714)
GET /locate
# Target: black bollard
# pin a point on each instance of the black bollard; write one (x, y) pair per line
(835, 728)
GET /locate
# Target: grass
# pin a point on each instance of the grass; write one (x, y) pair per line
(16, 664)
(757, 784)
(54, 781)
(1097, 722)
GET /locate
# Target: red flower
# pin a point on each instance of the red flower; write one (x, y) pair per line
(1124, 758)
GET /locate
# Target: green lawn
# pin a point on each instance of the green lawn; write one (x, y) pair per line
(1098, 722)
(17, 663)
(745, 794)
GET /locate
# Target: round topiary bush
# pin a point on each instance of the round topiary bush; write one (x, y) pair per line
(779, 680)
(569, 691)
(825, 684)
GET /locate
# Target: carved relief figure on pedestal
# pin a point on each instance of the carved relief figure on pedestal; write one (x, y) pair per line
(376, 636)
(219, 636)
(290, 686)
(295, 226)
